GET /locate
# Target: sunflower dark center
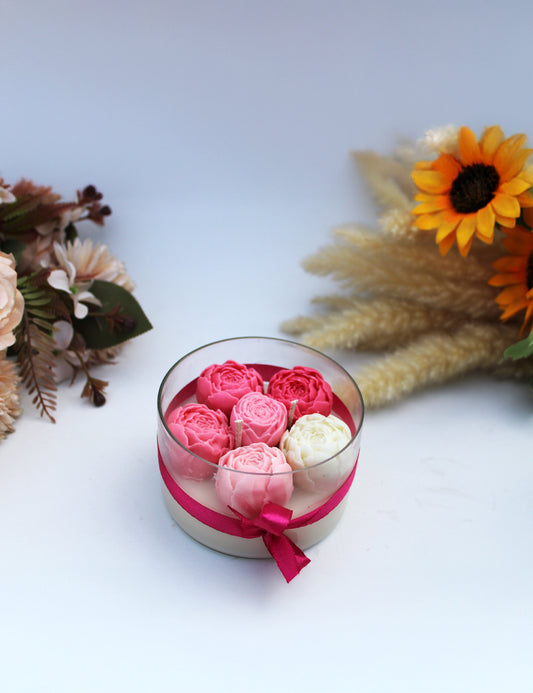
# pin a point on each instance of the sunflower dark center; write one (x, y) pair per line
(529, 272)
(474, 188)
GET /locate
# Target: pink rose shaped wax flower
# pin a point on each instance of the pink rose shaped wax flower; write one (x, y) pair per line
(247, 478)
(222, 386)
(263, 419)
(307, 386)
(315, 438)
(203, 431)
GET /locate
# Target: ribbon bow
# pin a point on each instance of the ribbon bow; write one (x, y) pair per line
(270, 524)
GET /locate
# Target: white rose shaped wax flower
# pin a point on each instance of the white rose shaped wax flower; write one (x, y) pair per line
(264, 419)
(315, 438)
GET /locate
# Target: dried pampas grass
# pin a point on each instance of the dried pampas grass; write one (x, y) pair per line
(435, 317)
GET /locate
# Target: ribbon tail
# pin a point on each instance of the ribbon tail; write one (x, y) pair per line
(289, 557)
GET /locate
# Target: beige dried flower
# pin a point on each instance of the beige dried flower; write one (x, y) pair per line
(441, 139)
(93, 261)
(9, 395)
(5, 194)
(11, 301)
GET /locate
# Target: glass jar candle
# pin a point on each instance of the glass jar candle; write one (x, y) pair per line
(316, 494)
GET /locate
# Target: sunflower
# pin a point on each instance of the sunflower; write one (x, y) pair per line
(515, 273)
(464, 194)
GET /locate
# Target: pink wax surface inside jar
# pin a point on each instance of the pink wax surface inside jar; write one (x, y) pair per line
(301, 501)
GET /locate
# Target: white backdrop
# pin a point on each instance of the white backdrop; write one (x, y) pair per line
(220, 135)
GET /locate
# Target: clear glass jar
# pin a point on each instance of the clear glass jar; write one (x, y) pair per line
(328, 477)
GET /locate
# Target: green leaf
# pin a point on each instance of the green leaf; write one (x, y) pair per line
(71, 233)
(12, 245)
(520, 350)
(96, 330)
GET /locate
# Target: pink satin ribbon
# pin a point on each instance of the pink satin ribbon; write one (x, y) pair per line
(270, 524)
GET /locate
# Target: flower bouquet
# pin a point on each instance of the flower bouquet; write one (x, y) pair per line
(445, 286)
(65, 304)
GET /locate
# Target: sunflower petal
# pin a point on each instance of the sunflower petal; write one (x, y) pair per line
(427, 222)
(513, 309)
(423, 197)
(512, 294)
(449, 166)
(526, 199)
(527, 215)
(431, 181)
(446, 244)
(506, 153)
(468, 147)
(515, 164)
(507, 222)
(465, 232)
(527, 174)
(511, 263)
(505, 205)
(436, 204)
(516, 246)
(485, 222)
(506, 279)
(529, 313)
(445, 230)
(466, 248)
(514, 187)
(490, 141)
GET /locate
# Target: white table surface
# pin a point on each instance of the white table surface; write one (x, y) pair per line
(220, 134)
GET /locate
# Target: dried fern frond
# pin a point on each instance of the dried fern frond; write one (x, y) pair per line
(35, 348)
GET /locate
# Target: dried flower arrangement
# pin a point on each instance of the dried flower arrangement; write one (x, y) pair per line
(437, 315)
(65, 304)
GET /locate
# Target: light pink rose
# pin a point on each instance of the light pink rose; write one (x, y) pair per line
(307, 386)
(222, 386)
(250, 476)
(203, 431)
(263, 419)
(11, 301)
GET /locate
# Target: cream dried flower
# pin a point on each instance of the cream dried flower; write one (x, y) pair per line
(93, 261)
(38, 253)
(6, 195)
(11, 301)
(66, 280)
(9, 395)
(442, 139)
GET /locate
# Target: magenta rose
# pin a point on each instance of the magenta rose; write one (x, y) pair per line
(203, 431)
(264, 419)
(307, 386)
(247, 478)
(222, 386)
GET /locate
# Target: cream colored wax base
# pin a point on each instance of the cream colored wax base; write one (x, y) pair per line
(304, 537)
